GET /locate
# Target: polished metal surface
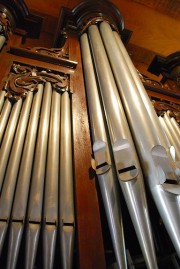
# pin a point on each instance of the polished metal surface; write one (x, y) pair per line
(38, 175)
(8, 139)
(51, 184)
(4, 117)
(66, 206)
(23, 182)
(124, 150)
(155, 161)
(2, 99)
(106, 177)
(175, 126)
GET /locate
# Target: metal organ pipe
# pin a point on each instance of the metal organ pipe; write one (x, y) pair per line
(104, 168)
(2, 97)
(155, 161)
(175, 126)
(124, 152)
(66, 206)
(4, 117)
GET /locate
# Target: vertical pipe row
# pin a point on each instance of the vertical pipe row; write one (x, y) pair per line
(156, 164)
(104, 168)
(37, 184)
(23, 182)
(124, 152)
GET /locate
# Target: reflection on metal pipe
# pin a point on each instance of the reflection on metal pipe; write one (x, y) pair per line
(7, 193)
(2, 98)
(127, 164)
(51, 185)
(4, 117)
(66, 207)
(145, 98)
(104, 169)
(175, 125)
(170, 137)
(2, 41)
(37, 185)
(155, 162)
(23, 182)
(8, 139)
(175, 137)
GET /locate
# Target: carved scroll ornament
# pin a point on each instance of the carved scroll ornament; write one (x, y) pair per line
(23, 79)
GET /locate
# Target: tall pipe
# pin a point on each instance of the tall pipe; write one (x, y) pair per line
(8, 139)
(105, 170)
(50, 215)
(66, 206)
(4, 117)
(2, 99)
(2, 41)
(142, 92)
(23, 182)
(154, 158)
(37, 184)
(124, 152)
(175, 125)
(7, 193)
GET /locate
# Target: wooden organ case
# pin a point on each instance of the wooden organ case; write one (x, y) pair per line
(69, 171)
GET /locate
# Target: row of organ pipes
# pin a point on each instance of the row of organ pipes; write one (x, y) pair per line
(130, 146)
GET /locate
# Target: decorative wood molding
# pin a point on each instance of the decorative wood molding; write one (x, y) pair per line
(18, 12)
(54, 56)
(23, 78)
(87, 13)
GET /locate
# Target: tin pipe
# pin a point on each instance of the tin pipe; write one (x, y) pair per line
(154, 158)
(7, 193)
(23, 182)
(66, 207)
(104, 169)
(37, 184)
(142, 92)
(2, 41)
(170, 137)
(175, 137)
(2, 99)
(176, 126)
(4, 117)
(124, 151)
(51, 185)
(8, 139)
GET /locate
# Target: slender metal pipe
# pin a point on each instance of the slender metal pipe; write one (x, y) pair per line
(23, 182)
(4, 117)
(142, 92)
(2, 99)
(170, 137)
(154, 158)
(51, 185)
(175, 137)
(2, 41)
(7, 193)
(66, 207)
(175, 125)
(37, 184)
(124, 151)
(8, 139)
(105, 171)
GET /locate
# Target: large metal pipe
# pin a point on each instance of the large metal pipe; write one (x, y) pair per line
(2, 41)
(142, 92)
(175, 137)
(175, 125)
(105, 170)
(2, 99)
(7, 194)
(23, 182)
(8, 139)
(50, 215)
(154, 158)
(4, 117)
(66, 206)
(125, 156)
(170, 137)
(37, 184)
